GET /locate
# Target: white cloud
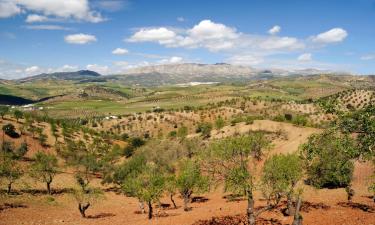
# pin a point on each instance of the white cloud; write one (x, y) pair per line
(161, 35)
(98, 68)
(120, 51)
(305, 57)
(8, 9)
(275, 43)
(171, 60)
(66, 9)
(274, 30)
(368, 57)
(32, 70)
(332, 36)
(215, 37)
(67, 68)
(246, 60)
(80, 39)
(47, 27)
(32, 18)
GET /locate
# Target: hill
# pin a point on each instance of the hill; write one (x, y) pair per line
(74, 76)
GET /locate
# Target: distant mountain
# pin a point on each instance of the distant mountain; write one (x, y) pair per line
(74, 76)
(184, 73)
(195, 70)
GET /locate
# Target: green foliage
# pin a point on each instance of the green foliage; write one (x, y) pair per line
(147, 185)
(247, 119)
(219, 123)
(18, 114)
(190, 180)
(21, 151)
(44, 168)
(134, 143)
(128, 169)
(10, 171)
(3, 110)
(172, 134)
(328, 159)
(300, 120)
(10, 130)
(86, 198)
(281, 174)
(182, 132)
(361, 122)
(204, 128)
(229, 159)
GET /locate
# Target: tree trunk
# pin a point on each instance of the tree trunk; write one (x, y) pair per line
(297, 216)
(142, 207)
(290, 207)
(173, 202)
(82, 209)
(149, 210)
(49, 188)
(9, 188)
(250, 208)
(186, 202)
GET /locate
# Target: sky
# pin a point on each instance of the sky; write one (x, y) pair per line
(112, 36)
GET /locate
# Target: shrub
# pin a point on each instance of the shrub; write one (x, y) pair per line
(328, 159)
(10, 130)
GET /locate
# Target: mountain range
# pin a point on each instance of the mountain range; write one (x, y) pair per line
(170, 74)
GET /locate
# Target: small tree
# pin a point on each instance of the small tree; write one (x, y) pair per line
(281, 174)
(328, 159)
(182, 132)
(219, 123)
(86, 198)
(21, 151)
(205, 129)
(171, 189)
(3, 111)
(148, 186)
(10, 171)
(190, 180)
(44, 168)
(10, 130)
(233, 161)
(18, 115)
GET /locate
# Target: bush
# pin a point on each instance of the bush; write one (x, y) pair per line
(299, 120)
(204, 128)
(10, 130)
(328, 159)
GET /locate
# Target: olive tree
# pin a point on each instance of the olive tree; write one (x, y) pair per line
(328, 159)
(147, 186)
(44, 168)
(3, 111)
(86, 198)
(280, 176)
(233, 161)
(190, 180)
(18, 115)
(10, 171)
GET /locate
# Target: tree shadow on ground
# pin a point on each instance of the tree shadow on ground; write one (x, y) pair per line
(100, 215)
(355, 205)
(234, 198)
(55, 191)
(12, 206)
(199, 199)
(115, 190)
(236, 220)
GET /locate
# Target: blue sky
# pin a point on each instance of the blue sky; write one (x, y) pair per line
(112, 36)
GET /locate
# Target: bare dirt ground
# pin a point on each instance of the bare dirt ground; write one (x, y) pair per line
(321, 207)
